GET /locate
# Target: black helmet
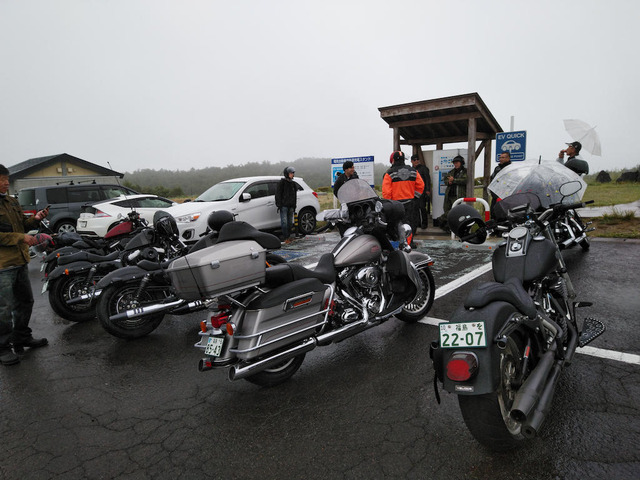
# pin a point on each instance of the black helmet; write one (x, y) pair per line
(164, 223)
(465, 221)
(458, 158)
(289, 170)
(218, 218)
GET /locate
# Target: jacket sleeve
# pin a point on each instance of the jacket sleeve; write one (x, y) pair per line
(419, 188)
(386, 186)
(279, 194)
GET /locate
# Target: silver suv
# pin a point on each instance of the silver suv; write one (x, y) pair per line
(251, 199)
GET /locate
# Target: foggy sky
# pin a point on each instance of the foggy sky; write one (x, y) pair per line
(180, 84)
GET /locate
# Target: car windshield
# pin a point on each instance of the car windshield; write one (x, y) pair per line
(354, 190)
(220, 191)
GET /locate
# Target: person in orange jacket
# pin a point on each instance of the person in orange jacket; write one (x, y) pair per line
(403, 183)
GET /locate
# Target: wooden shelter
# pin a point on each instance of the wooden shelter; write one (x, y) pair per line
(457, 119)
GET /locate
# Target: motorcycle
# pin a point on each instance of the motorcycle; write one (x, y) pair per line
(504, 349)
(72, 284)
(263, 321)
(134, 300)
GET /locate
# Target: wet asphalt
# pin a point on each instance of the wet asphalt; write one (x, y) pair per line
(91, 406)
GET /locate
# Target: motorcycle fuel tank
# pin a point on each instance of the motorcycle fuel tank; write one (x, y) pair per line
(357, 250)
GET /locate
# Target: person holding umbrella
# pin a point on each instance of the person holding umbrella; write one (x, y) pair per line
(574, 162)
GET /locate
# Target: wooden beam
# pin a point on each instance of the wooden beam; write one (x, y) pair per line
(471, 156)
(443, 140)
(433, 120)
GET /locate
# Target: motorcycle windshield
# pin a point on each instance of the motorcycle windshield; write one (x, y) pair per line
(355, 190)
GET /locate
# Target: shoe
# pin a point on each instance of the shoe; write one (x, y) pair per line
(7, 357)
(31, 342)
(288, 241)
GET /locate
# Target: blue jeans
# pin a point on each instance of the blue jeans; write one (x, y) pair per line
(286, 221)
(16, 303)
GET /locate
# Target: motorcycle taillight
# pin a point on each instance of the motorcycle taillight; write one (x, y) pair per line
(218, 320)
(462, 366)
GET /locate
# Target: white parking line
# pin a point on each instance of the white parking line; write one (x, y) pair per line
(594, 352)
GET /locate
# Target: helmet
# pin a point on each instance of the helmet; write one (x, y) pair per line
(397, 155)
(464, 220)
(218, 218)
(289, 170)
(459, 158)
(164, 223)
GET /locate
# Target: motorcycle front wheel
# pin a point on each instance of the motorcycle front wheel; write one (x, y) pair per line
(487, 416)
(65, 288)
(277, 374)
(122, 297)
(422, 302)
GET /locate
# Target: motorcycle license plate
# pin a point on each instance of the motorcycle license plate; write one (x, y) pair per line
(44, 287)
(462, 335)
(214, 346)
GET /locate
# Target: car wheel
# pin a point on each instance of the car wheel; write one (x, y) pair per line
(306, 221)
(65, 226)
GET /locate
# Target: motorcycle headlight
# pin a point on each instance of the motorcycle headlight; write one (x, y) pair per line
(192, 217)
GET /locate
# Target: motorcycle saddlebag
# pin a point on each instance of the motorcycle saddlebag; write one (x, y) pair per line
(280, 317)
(222, 268)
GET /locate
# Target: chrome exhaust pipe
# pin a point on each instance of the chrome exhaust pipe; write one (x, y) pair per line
(237, 372)
(83, 298)
(140, 312)
(346, 331)
(529, 393)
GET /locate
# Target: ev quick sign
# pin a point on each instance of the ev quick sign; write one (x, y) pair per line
(513, 142)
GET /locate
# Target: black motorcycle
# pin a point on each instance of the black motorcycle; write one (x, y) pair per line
(504, 348)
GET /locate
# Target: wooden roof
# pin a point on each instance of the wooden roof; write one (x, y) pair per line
(441, 120)
(22, 169)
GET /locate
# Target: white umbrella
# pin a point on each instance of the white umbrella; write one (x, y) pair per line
(585, 134)
(544, 178)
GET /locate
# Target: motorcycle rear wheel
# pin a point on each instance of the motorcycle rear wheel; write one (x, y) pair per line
(64, 288)
(278, 374)
(120, 298)
(487, 416)
(422, 302)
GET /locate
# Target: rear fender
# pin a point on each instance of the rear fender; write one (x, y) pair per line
(71, 269)
(494, 316)
(121, 275)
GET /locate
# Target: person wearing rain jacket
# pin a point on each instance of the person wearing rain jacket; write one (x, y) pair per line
(574, 162)
(286, 198)
(456, 182)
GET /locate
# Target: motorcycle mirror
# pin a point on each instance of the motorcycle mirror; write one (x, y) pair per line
(569, 188)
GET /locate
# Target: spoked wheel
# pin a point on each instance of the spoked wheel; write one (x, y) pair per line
(65, 288)
(487, 416)
(422, 302)
(117, 299)
(278, 374)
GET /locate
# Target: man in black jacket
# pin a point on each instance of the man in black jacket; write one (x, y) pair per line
(424, 202)
(286, 197)
(349, 173)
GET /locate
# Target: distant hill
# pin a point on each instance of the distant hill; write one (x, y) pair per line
(315, 171)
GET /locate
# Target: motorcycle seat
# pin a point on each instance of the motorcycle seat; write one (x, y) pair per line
(288, 272)
(243, 231)
(511, 291)
(88, 257)
(150, 265)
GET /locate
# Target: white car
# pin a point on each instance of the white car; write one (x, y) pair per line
(250, 199)
(98, 218)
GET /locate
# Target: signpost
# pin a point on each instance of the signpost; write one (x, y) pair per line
(513, 142)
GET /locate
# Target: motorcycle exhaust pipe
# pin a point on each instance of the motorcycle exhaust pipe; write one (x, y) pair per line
(84, 297)
(529, 393)
(538, 416)
(189, 307)
(344, 332)
(140, 312)
(237, 372)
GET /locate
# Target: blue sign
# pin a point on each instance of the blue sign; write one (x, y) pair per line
(363, 165)
(513, 142)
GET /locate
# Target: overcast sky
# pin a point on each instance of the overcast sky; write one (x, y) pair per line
(180, 84)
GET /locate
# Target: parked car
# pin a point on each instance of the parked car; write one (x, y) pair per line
(251, 199)
(98, 218)
(66, 201)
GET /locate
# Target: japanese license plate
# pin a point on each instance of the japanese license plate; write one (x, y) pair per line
(214, 346)
(462, 335)
(44, 287)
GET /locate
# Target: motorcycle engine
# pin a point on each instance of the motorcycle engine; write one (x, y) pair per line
(368, 277)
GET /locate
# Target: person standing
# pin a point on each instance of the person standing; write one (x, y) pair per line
(575, 162)
(505, 161)
(424, 202)
(456, 182)
(16, 296)
(403, 183)
(286, 197)
(349, 173)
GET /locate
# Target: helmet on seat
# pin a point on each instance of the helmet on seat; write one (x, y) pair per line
(218, 218)
(466, 223)
(164, 223)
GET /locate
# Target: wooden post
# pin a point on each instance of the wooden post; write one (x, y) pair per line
(396, 139)
(487, 169)
(471, 157)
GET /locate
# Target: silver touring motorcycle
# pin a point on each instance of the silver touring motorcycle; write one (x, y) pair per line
(264, 319)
